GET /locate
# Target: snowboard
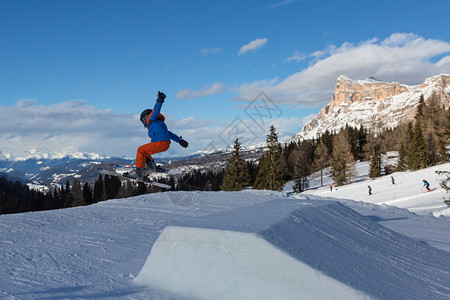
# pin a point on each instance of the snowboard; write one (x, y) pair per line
(125, 176)
(159, 170)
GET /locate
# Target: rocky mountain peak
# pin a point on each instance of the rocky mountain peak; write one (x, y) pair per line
(373, 103)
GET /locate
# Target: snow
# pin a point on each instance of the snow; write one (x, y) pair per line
(368, 80)
(59, 176)
(238, 245)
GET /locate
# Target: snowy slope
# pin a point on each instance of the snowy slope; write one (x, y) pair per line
(365, 249)
(406, 192)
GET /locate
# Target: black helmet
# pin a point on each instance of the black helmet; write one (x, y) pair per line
(144, 115)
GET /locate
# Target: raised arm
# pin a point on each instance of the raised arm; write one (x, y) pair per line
(157, 108)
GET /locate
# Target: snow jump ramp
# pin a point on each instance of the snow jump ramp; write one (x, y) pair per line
(293, 249)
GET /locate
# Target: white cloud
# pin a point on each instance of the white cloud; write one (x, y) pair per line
(75, 126)
(186, 94)
(296, 56)
(279, 4)
(70, 125)
(211, 50)
(252, 46)
(402, 57)
(287, 128)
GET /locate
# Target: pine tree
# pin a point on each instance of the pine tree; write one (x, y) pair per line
(402, 159)
(99, 190)
(141, 189)
(353, 140)
(126, 189)
(77, 194)
(87, 194)
(302, 170)
(237, 176)
(362, 140)
(252, 168)
(269, 174)
(112, 185)
(409, 133)
(68, 198)
(375, 165)
(327, 139)
(58, 202)
(321, 159)
(420, 108)
(289, 158)
(418, 157)
(342, 161)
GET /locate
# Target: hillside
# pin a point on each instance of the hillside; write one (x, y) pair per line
(406, 192)
(355, 249)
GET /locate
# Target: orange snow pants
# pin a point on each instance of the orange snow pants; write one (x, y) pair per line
(148, 149)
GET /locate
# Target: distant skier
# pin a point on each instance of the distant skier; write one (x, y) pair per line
(331, 187)
(427, 185)
(370, 190)
(160, 136)
(392, 180)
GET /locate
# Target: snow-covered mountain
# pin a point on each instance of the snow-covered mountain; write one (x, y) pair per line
(39, 167)
(238, 245)
(38, 154)
(374, 104)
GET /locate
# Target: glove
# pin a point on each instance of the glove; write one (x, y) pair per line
(161, 97)
(183, 143)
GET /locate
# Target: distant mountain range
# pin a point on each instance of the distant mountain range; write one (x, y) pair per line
(374, 104)
(39, 168)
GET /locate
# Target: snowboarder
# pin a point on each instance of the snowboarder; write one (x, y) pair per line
(427, 185)
(370, 190)
(160, 136)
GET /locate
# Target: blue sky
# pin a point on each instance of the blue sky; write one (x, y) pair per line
(84, 70)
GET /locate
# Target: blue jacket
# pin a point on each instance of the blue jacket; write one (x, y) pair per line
(157, 129)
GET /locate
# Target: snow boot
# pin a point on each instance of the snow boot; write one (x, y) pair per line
(140, 173)
(150, 164)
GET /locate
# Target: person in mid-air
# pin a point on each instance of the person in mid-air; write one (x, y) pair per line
(427, 185)
(153, 120)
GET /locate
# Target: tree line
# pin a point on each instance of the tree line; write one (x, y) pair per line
(16, 197)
